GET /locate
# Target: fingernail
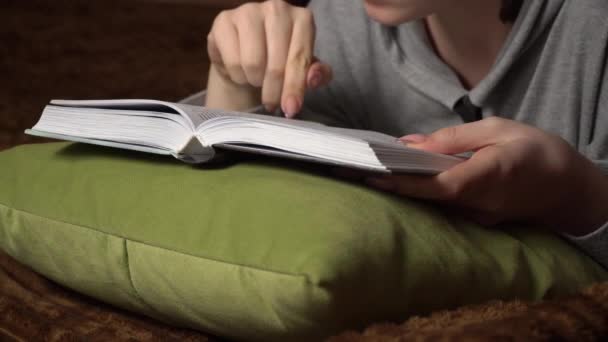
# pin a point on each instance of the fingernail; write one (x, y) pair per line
(315, 80)
(292, 106)
(413, 139)
(379, 183)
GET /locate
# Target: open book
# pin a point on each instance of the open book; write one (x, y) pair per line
(195, 134)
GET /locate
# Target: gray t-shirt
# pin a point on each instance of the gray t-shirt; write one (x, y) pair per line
(549, 74)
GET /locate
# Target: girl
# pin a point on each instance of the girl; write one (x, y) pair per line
(522, 84)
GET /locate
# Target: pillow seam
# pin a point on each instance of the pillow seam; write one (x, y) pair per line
(127, 261)
(255, 268)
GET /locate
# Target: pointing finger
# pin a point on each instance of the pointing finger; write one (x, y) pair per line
(298, 61)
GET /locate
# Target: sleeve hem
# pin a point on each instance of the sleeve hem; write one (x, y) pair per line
(595, 244)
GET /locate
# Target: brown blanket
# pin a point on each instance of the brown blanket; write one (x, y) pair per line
(583, 317)
(33, 308)
(155, 49)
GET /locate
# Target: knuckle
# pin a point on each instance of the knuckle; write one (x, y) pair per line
(236, 74)
(222, 17)
(222, 21)
(493, 121)
(305, 15)
(295, 87)
(249, 7)
(275, 73)
(239, 80)
(253, 67)
(232, 65)
(444, 135)
(300, 58)
(246, 12)
(453, 191)
(238, 16)
(254, 76)
(276, 6)
(216, 21)
(222, 70)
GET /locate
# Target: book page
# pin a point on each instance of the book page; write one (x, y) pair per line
(369, 136)
(156, 130)
(132, 105)
(296, 139)
(152, 123)
(205, 114)
(199, 115)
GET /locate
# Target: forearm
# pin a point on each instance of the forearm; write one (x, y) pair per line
(225, 94)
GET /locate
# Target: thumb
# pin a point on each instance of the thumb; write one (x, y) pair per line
(468, 137)
(319, 74)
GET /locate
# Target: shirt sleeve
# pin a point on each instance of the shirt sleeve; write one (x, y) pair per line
(594, 244)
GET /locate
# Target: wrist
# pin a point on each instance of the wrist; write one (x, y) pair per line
(223, 93)
(596, 214)
(588, 211)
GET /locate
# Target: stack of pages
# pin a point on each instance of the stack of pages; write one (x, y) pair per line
(195, 135)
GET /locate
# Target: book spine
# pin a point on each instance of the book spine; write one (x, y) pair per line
(194, 152)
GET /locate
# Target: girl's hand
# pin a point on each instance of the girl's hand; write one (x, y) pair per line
(517, 173)
(263, 52)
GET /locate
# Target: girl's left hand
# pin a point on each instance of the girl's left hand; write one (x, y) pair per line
(517, 173)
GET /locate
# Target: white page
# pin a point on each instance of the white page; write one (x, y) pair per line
(342, 146)
(135, 105)
(347, 146)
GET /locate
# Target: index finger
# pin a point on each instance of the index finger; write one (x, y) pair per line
(278, 29)
(299, 59)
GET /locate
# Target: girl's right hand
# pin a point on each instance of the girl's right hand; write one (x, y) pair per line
(264, 46)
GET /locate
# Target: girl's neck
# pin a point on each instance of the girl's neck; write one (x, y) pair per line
(468, 37)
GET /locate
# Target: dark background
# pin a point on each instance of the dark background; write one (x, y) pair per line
(94, 49)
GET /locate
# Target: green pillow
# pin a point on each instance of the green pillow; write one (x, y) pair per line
(258, 249)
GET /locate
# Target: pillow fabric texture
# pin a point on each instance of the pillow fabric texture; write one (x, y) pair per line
(259, 250)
